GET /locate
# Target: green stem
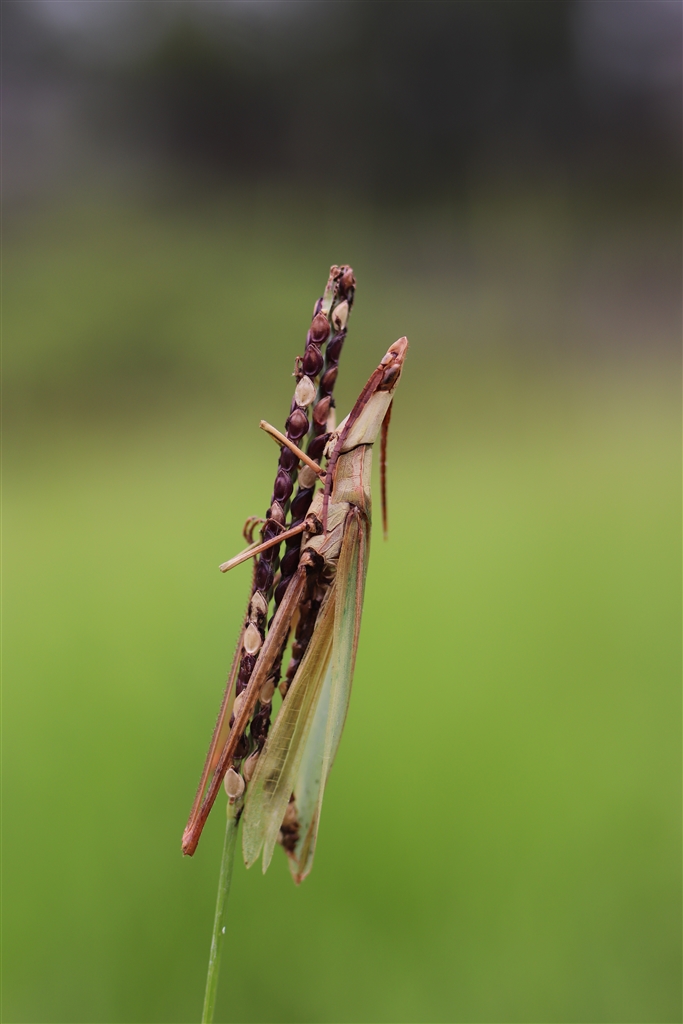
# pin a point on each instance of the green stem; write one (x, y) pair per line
(218, 934)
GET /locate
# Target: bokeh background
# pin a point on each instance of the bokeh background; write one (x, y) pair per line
(501, 832)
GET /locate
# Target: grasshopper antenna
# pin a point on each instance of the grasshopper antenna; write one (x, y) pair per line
(383, 471)
(285, 442)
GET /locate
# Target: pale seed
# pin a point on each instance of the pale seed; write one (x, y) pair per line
(307, 476)
(234, 784)
(239, 701)
(305, 392)
(252, 639)
(340, 315)
(249, 766)
(267, 691)
(258, 606)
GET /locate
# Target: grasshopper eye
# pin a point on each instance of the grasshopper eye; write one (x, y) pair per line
(391, 375)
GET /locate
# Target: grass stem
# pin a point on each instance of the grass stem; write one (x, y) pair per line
(227, 861)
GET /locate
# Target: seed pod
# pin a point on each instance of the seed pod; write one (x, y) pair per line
(321, 410)
(320, 328)
(249, 660)
(277, 513)
(267, 691)
(340, 315)
(307, 476)
(330, 376)
(312, 362)
(288, 460)
(297, 425)
(300, 506)
(334, 347)
(264, 576)
(290, 561)
(249, 766)
(258, 606)
(316, 449)
(252, 639)
(234, 785)
(305, 391)
(270, 529)
(239, 701)
(283, 486)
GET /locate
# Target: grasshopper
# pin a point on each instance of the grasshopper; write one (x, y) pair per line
(286, 778)
(285, 794)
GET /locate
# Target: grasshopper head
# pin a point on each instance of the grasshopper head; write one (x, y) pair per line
(362, 425)
(393, 363)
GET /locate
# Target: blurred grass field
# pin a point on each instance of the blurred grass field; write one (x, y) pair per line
(501, 832)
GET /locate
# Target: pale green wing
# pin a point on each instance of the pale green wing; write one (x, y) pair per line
(276, 770)
(330, 714)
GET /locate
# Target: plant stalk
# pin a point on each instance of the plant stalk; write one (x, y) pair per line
(218, 934)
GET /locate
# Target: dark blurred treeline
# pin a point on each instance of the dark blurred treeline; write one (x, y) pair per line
(394, 100)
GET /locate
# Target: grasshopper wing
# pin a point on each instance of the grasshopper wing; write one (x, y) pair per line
(304, 740)
(330, 714)
(302, 744)
(277, 768)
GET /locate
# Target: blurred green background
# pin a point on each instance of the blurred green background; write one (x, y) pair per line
(501, 836)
